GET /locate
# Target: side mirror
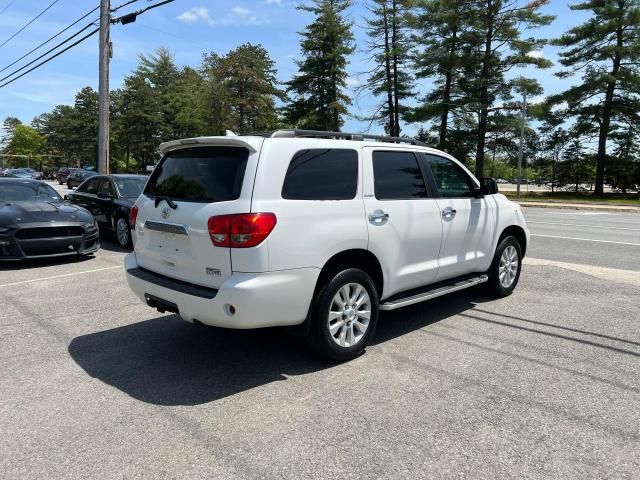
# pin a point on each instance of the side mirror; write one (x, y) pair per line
(66, 197)
(104, 195)
(488, 186)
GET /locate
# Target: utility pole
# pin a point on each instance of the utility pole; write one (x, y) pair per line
(520, 149)
(103, 88)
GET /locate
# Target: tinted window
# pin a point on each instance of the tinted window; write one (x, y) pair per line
(397, 175)
(45, 192)
(322, 174)
(206, 174)
(107, 187)
(90, 186)
(130, 187)
(451, 181)
(22, 192)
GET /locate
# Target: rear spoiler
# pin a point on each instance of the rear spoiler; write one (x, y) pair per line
(250, 143)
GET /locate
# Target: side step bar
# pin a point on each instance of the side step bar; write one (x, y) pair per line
(436, 292)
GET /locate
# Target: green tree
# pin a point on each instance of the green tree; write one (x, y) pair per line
(161, 72)
(497, 44)
(85, 119)
(249, 77)
(319, 98)
(388, 45)
(606, 51)
(26, 141)
(136, 120)
(441, 38)
(9, 126)
(215, 95)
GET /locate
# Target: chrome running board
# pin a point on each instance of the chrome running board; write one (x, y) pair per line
(436, 292)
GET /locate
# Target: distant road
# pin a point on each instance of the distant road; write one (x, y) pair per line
(591, 238)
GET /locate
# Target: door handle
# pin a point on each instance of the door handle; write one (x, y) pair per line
(448, 212)
(378, 217)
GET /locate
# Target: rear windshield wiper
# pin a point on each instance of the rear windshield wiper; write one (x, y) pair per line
(170, 202)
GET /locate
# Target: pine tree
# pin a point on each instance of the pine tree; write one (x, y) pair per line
(441, 37)
(606, 50)
(498, 46)
(249, 77)
(389, 49)
(161, 72)
(319, 98)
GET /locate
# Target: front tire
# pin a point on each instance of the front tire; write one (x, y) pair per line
(505, 268)
(344, 315)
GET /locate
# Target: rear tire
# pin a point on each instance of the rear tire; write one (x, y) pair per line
(505, 268)
(344, 315)
(123, 232)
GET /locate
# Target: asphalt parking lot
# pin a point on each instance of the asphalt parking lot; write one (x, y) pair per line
(542, 384)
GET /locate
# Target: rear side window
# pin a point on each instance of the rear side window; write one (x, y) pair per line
(204, 174)
(397, 176)
(322, 174)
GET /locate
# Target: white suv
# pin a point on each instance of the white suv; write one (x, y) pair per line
(318, 230)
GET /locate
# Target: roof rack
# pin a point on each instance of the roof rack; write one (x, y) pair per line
(294, 133)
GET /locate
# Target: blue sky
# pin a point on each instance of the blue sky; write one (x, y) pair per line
(189, 28)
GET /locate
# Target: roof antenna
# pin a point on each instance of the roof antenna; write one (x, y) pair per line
(229, 133)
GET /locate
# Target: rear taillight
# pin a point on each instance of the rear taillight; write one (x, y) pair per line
(133, 216)
(241, 230)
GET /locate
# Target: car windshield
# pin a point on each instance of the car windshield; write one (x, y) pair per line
(26, 192)
(130, 187)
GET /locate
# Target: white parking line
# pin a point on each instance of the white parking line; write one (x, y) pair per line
(584, 240)
(630, 277)
(59, 276)
(580, 213)
(584, 225)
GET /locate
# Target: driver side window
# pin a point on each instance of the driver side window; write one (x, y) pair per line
(451, 181)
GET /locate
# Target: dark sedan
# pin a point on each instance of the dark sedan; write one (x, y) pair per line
(76, 178)
(110, 198)
(35, 223)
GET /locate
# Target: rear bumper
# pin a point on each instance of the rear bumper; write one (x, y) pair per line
(259, 300)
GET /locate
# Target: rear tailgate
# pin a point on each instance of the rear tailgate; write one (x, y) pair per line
(201, 180)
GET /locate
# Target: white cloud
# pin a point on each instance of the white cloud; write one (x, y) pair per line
(536, 54)
(273, 2)
(353, 82)
(236, 16)
(196, 14)
(241, 11)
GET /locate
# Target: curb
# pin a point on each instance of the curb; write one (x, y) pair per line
(580, 206)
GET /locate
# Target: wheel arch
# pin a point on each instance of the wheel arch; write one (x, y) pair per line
(351, 258)
(517, 232)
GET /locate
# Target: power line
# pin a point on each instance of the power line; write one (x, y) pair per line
(51, 58)
(49, 39)
(131, 17)
(7, 6)
(29, 23)
(45, 53)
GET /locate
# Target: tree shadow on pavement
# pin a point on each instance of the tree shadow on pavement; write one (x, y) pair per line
(167, 361)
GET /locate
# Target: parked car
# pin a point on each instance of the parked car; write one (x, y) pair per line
(292, 228)
(63, 173)
(109, 198)
(76, 178)
(18, 173)
(35, 222)
(34, 173)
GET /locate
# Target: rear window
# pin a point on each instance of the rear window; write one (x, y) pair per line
(322, 174)
(205, 174)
